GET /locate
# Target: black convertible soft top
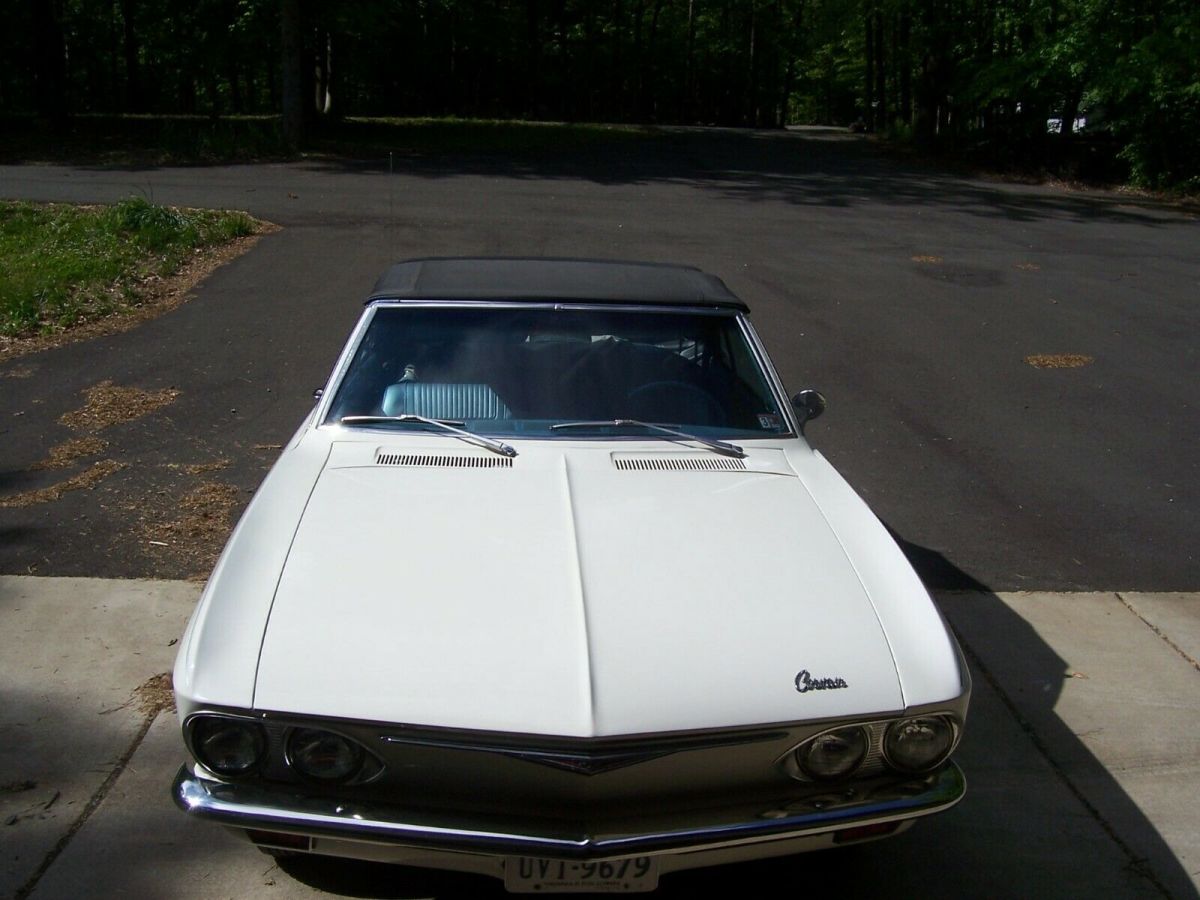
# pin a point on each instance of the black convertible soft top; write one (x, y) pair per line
(547, 278)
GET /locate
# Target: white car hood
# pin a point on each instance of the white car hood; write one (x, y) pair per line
(567, 596)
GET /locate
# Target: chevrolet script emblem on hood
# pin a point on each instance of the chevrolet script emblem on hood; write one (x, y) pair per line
(806, 682)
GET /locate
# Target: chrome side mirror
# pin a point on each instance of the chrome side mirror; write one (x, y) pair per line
(320, 392)
(808, 405)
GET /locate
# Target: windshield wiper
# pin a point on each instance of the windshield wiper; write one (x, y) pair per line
(446, 424)
(718, 446)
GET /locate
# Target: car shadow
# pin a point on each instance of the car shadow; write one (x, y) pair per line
(1042, 816)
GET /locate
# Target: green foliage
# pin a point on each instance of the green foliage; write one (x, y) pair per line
(1152, 90)
(60, 265)
(983, 76)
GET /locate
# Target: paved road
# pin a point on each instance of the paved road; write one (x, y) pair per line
(911, 297)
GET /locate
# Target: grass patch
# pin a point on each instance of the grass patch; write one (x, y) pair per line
(61, 265)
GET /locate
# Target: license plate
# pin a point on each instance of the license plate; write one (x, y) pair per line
(524, 875)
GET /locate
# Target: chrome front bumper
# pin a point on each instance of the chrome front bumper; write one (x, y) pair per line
(251, 806)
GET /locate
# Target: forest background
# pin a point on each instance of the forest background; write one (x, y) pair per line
(1105, 90)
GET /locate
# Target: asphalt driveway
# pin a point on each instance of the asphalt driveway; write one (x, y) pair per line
(911, 297)
(916, 300)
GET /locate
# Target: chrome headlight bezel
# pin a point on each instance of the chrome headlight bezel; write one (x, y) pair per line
(355, 756)
(952, 731)
(199, 742)
(858, 739)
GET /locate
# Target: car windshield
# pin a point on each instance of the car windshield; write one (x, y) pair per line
(520, 370)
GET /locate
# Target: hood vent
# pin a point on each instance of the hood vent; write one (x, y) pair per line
(677, 462)
(443, 460)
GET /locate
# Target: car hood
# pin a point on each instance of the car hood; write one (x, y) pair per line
(577, 592)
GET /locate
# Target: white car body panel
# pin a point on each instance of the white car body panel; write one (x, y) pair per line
(218, 655)
(928, 661)
(566, 597)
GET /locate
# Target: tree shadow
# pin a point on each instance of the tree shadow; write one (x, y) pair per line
(825, 170)
(989, 629)
(818, 168)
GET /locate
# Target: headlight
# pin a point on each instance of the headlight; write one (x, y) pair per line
(834, 754)
(919, 744)
(323, 755)
(228, 746)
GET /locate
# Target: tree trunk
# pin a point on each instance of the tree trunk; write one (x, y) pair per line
(292, 73)
(589, 43)
(749, 114)
(616, 81)
(881, 118)
(904, 61)
(789, 71)
(869, 71)
(689, 66)
(639, 70)
(1066, 138)
(651, 94)
(323, 75)
(133, 79)
(532, 59)
(50, 61)
(235, 87)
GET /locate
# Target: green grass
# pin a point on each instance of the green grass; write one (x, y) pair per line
(63, 265)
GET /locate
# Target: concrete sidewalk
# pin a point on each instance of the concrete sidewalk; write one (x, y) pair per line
(1081, 756)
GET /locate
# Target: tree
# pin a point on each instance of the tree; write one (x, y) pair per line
(292, 62)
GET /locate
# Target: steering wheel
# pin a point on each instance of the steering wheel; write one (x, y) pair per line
(675, 401)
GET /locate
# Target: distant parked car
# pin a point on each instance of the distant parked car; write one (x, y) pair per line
(549, 586)
(1054, 124)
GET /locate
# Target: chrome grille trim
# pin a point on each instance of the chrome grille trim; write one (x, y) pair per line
(585, 757)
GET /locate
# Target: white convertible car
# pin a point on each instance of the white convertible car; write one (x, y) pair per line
(550, 587)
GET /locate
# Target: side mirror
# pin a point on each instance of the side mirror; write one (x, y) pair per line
(319, 392)
(808, 405)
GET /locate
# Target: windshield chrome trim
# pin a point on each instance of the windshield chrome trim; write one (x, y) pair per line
(774, 383)
(606, 305)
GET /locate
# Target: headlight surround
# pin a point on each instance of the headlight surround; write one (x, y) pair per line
(323, 755)
(920, 743)
(228, 746)
(833, 754)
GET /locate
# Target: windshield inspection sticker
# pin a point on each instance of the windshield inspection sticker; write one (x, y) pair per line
(768, 421)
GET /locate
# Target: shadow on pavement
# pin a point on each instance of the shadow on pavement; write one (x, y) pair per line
(987, 628)
(756, 166)
(828, 169)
